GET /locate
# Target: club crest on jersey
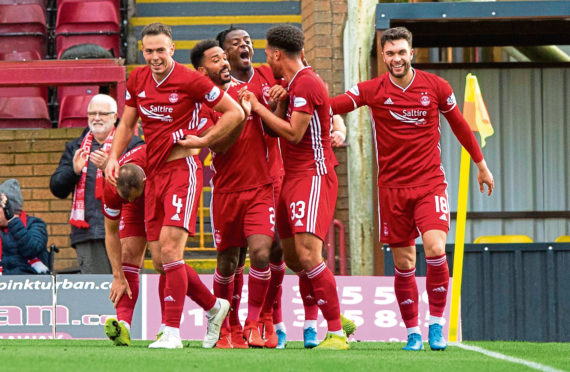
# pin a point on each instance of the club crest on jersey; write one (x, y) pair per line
(424, 100)
(354, 90)
(299, 102)
(451, 100)
(173, 98)
(265, 91)
(213, 94)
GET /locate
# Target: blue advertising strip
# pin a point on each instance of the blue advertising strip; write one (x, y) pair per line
(26, 307)
(83, 305)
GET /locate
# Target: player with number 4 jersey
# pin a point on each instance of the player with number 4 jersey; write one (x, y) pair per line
(167, 97)
(412, 192)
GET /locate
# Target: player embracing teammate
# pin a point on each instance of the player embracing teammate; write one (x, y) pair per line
(308, 196)
(167, 96)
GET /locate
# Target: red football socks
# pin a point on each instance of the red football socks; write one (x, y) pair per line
(197, 291)
(308, 297)
(224, 288)
(236, 299)
(272, 301)
(437, 281)
(407, 294)
(126, 305)
(324, 287)
(257, 289)
(175, 292)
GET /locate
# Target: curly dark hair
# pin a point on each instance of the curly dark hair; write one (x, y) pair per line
(197, 53)
(221, 36)
(396, 33)
(156, 29)
(287, 38)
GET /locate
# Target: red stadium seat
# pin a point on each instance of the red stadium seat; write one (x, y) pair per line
(41, 3)
(23, 28)
(75, 90)
(23, 91)
(73, 111)
(28, 55)
(23, 112)
(116, 3)
(95, 22)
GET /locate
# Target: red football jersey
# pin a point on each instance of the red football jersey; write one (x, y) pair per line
(264, 75)
(406, 125)
(168, 106)
(112, 203)
(313, 154)
(244, 166)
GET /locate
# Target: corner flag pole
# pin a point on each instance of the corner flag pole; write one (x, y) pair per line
(459, 244)
(476, 114)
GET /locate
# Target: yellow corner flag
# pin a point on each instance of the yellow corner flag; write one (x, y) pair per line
(475, 111)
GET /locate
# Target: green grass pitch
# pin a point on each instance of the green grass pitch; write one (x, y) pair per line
(97, 355)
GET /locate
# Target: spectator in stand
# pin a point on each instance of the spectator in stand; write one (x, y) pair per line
(80, 172)
(23, 238)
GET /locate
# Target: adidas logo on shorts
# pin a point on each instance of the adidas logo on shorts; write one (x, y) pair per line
(298, 223)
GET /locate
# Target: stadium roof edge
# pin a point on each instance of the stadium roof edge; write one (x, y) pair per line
(479, 23)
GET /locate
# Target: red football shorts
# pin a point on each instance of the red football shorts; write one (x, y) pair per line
(307, 204)
(132, 219)
(172, 196)
(238, 215)
(277, 184)
(404, 211)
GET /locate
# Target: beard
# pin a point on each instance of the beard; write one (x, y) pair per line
(407, 66)
(218, 79)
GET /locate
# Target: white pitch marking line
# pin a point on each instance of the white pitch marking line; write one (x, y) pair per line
(494, 354)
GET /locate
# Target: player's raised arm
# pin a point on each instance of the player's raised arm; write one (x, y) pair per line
(122, 137)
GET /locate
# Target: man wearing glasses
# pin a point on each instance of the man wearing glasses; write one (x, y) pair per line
(80, 173)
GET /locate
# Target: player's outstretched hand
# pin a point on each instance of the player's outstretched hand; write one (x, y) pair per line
(246, 106)
(277, 93)
(119, 287)
(245, 94)
(99, 159)
(192, 141)
(112, 171)
(485, 177)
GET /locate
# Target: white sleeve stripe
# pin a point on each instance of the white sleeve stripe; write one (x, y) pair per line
(452, 107)
(353, 101)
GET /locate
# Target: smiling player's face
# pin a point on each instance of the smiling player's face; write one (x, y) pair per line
(157, 52)
(217, 66)
(397, 56)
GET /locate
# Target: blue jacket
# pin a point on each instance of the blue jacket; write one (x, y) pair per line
(21, 243)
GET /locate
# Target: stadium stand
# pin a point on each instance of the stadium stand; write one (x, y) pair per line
(563, 239)
(502, 239)
(29, 55)
(23, 28)
(95, 22)
(73, 111)
(23, 112)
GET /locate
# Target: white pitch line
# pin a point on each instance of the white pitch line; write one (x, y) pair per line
(494, 354)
